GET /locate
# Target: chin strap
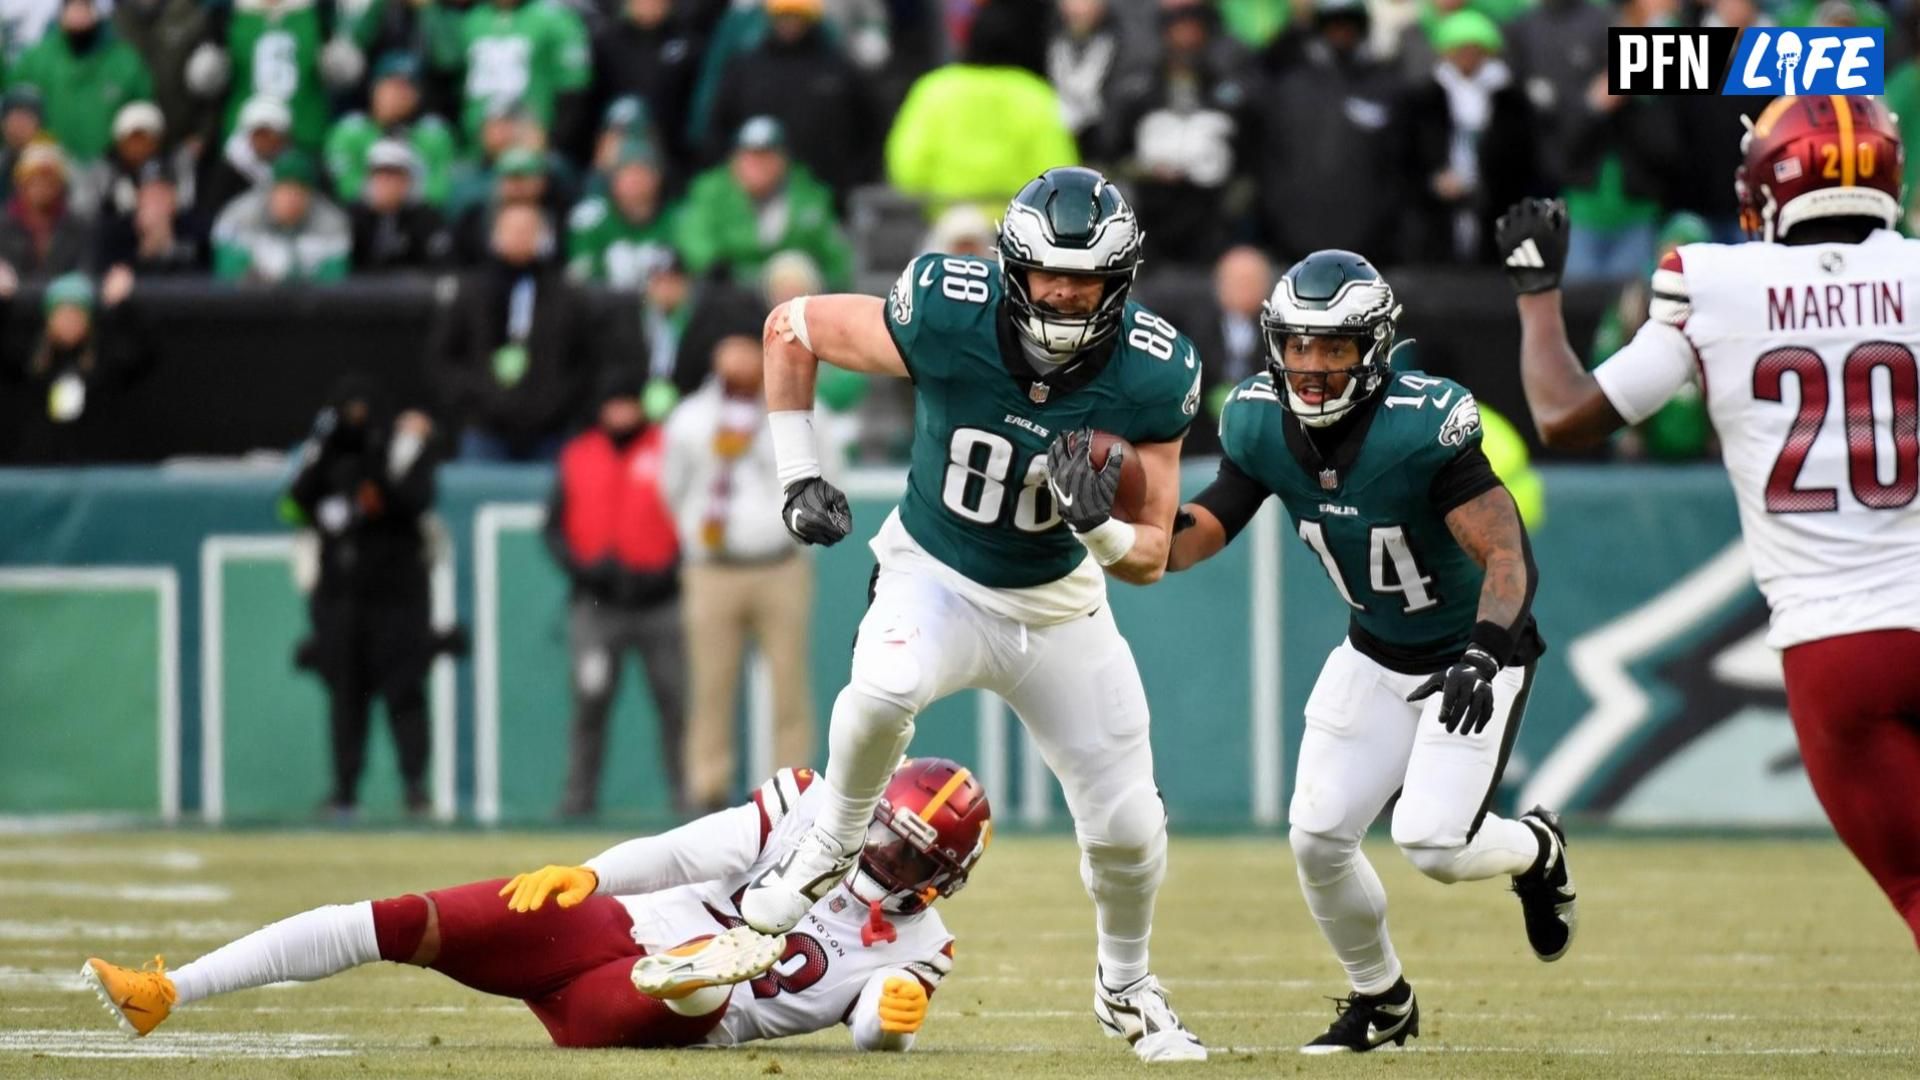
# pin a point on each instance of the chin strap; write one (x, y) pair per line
(877, 928)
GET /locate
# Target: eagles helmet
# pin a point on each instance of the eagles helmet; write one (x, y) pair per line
(1068, 220)
(1331, 294)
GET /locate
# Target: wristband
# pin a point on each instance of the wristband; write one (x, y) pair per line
(797, 319)
(1109, 541)
(1492, 639)
(795, 456)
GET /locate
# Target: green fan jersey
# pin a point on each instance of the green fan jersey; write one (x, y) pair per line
(355, 134)
(1376, 518)
(977, 497)
(275, 51)
(605, 247)
(531, 53)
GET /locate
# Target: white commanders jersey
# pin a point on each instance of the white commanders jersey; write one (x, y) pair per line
(819, 979)
(1806, 357)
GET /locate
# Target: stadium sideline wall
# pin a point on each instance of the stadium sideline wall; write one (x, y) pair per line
(148, 619)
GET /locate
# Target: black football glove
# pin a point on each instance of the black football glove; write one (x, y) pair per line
(816, 512)
(1466, 692)
(1532, 238)
(1083, 494)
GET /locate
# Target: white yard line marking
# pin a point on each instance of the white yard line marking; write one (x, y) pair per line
(89, 890)
(106, 1043)
(118, 858)
(78, 930)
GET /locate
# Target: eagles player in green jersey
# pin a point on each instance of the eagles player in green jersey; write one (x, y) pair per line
(1383, 476)
(991, 571)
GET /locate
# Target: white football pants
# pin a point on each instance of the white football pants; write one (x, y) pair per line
(1364, 741)
(1075, 687)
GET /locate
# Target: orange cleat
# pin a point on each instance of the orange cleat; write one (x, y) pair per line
(139, 1000)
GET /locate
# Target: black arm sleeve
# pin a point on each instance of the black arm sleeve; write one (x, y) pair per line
(1233, 498)
(1460, 481)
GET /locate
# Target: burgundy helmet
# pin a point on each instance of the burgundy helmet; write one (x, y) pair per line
(1827, 155)
(931, 826)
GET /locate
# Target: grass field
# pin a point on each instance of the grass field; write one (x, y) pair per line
(1695, 958)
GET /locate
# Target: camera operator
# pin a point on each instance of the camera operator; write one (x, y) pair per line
(366, 486)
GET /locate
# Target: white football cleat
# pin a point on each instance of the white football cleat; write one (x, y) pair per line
(778, 898)
(731, 956)
(1139, 1013)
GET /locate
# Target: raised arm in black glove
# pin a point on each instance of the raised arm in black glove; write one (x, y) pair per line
(1532, 238)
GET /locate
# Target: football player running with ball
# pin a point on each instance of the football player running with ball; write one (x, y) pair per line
(992, 570)
(1383, 476)
(642, 946)
(1803, 345)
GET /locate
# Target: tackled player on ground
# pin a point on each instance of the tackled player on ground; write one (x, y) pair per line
(643, 945)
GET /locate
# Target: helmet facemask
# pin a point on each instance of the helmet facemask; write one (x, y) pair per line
(1062, 335)
(901, 864)
(1362, 379)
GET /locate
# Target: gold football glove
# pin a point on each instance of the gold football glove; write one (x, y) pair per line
(568, 885)
(903, 1006)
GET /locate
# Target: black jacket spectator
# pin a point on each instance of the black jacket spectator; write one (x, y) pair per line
(413, 237)
(1452, 209)
(1329, 144)
(816, 93)
(511, 352)
(1556, 50)
(156, 237)
(1181, 126)
(165, 33)
(1224, 327)
(67, 388)
(365, 484)
(655, 59)
(1088, 58)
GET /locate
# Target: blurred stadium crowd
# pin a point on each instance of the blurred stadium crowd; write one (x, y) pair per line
(712, 157)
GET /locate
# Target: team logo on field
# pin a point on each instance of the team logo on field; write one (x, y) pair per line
(1463, 421)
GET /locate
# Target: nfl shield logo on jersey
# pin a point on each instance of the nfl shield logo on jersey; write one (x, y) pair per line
(1038, 392)
(1329, 479)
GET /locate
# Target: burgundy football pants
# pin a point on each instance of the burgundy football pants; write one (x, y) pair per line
(1855, 702)
(571, 966)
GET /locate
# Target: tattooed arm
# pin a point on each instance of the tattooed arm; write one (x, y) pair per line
(1488, 528)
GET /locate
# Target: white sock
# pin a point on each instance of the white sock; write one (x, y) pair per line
(701, 1001)
(865, 741)
(1123, 897)
(311, 945)
(1348, 901)
(1501, 847)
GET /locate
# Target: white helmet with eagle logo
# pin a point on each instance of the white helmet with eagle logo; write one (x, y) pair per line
(1068, 220)
(1331, 293)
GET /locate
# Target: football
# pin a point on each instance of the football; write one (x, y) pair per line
(1131, 497)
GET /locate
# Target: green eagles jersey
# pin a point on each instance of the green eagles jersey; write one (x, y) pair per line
(275, 52)
(606, 247)
(82, 92)
(355, 134)
(977, 496)
(531, 53)
(1372, 520)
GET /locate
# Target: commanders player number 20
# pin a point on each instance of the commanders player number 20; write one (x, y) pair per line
(1857, 378)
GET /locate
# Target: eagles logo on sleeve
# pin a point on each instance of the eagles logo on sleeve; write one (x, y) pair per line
(900, 299)
(1463, 421)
